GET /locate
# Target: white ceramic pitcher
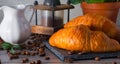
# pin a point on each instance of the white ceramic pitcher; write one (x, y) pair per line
(15, 28)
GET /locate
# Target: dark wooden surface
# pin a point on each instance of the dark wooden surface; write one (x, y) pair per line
(53, 59)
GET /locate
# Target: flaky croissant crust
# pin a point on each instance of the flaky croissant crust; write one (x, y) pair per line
(81, 38)
(96, 22)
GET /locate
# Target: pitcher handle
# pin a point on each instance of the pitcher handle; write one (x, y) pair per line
(32, 7)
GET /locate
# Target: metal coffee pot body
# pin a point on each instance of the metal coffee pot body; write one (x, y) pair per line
(52, 2)
(48, 20)
(52, 18)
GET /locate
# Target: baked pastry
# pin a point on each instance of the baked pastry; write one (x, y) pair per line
(81, 38)
(97, 23)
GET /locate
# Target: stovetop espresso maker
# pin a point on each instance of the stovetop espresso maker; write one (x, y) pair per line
(52, 13)
(52, 18)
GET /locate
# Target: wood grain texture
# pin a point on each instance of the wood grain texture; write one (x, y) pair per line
(53, 59)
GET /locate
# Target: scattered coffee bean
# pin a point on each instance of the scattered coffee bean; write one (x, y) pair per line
(97, 58)
(24, 60)
(38, 62)
(42, 54)
(15, 56)
(47, 58)
(114, 62)
(12, 56)
(35, 45)
(29, 43)
(41, 50)
(39, 37)
(27, 53)
(32, 62)
(68, 60)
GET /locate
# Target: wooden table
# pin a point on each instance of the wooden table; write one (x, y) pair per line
(53, 59)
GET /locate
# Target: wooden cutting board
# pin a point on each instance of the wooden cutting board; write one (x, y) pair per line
(62, 54)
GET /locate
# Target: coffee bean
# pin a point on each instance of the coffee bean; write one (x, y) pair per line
(15, 56)
(42, 54)
(38, 62)
(97, 58)
(47, 58)
(39, 37)
(68, 60)
(10, 55)
(24, 60)
(29, 43)
(27, 53)
(114, 62)
(32, 62)
(33, 45)
(41, 49)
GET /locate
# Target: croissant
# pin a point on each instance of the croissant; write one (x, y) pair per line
(97, 22)
(81, 38)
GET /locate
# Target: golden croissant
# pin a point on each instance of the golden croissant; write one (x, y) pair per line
(97, 22)
(81, 38)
